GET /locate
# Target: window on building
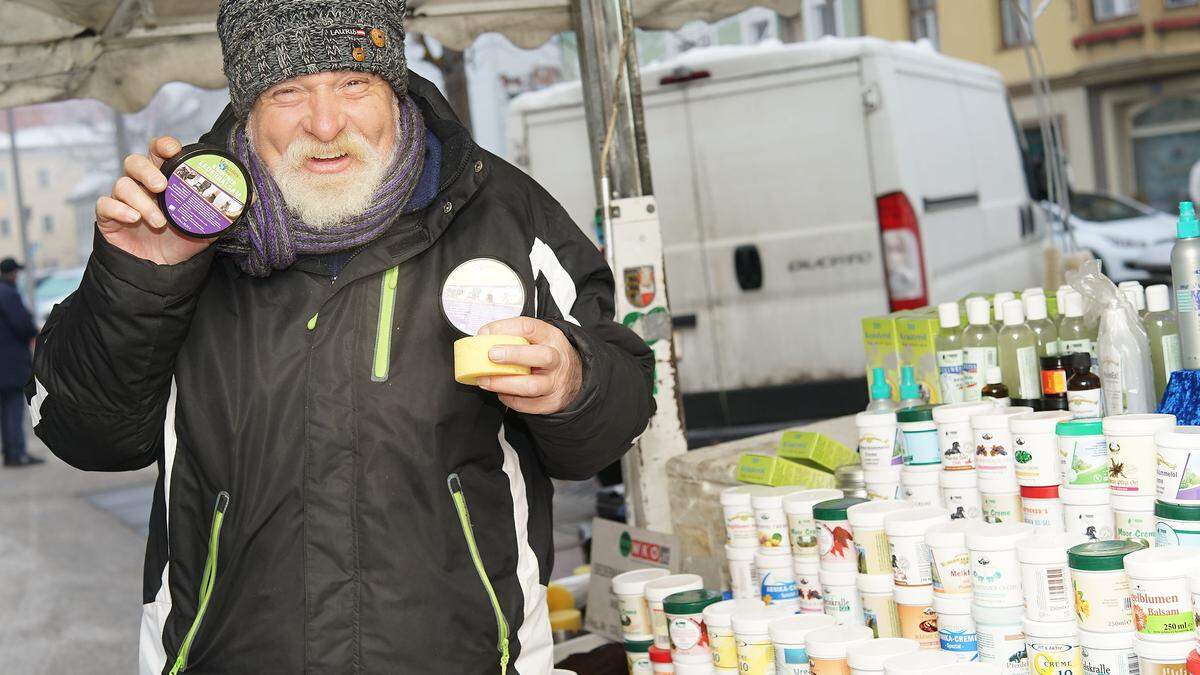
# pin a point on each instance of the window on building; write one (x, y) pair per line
(1165, 139)
(5, 227)
(1012, 28)
(43, 178)
(1172, 4)
(3, 181)
(1104, 10)
(840, 18)
(47, 224)
(922, 16)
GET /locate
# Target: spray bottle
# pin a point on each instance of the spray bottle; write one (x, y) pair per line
(1185, 277)
(881, 393)
(910, 391)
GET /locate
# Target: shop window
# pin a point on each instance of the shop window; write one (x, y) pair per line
(48, 224)
(43, 178)
(1165, 140)
(922, 16)
(1172, 4)
(5, 227)
(1106, 10)
(839, 18)
(3, 181)
(1012, 29)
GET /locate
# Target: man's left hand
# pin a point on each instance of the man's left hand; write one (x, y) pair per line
(556, 372)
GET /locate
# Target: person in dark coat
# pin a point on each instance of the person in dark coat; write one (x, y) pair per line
(16, 331)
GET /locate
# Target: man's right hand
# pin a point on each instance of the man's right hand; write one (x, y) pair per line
(131, 220)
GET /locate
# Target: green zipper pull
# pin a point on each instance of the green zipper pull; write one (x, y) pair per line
(207, 582)
(464, 520)
(312, 323)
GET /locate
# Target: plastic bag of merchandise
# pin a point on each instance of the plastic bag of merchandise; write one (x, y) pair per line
(1123, 347)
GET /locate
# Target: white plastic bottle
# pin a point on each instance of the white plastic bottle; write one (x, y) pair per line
(950, 353)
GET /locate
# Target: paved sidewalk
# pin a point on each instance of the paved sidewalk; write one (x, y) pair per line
(70, 572)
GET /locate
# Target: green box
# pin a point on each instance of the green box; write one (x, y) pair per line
(916, 335)
(815, 450)
(775, 471)
(882, 350)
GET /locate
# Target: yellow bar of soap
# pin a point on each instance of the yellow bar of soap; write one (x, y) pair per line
(471, 358)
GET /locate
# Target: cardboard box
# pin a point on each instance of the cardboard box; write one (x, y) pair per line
(882, 350)
(815, 450)
(775, 471)
(916, 335)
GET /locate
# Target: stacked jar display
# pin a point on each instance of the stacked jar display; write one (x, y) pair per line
(1102, 602)
(997, 601)
(839, 560)
(873, 581)
(1037, 465)
(912, 571)
(1052, 639)
(999, 492)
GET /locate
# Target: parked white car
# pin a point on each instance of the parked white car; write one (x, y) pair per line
(1131, 239)
(53, 289)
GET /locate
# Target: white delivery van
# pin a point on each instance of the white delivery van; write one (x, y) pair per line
(802, 187)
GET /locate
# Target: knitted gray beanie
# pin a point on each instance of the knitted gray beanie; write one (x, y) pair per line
(265, 42)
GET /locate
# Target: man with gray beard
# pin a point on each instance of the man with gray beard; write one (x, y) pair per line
(329, 499)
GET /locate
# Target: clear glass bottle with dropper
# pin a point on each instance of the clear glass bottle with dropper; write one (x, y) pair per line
(979, 348)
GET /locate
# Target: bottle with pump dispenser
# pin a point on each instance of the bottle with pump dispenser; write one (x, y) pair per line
(1185, 279)
(1043, 328)
(998, 301)
(881, 393)
(1018, 354)
(950, 353)
(1075, 333)
(1164, 337)
(979, 348)
(910, 391)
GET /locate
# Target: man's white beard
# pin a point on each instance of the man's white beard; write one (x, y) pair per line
(324, 200)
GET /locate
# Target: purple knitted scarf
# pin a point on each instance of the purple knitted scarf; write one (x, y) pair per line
(271, 236)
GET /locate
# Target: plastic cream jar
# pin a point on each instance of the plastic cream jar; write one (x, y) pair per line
(656, 591)
(883, 484)
(835, 537)
(1160, 592)
(1178, 466)
(993, 442)
(1101, 585)
(1132, 459)
(752, 637)
(787, 635)
(960, 495)
(1177, 525)
(879, 605)
(868, 658)
(1000, 499)
(740, 529)
(685, 624)
(743, 575)
(918, 621)
(208, 190)
(1046, 577)
(637, 656)
(802, 529)
(956, 628)
(1162, 658)
(718, 617)
(1082, 454)
(956, 440)
(770, 519)
(828, 648)
(1133, 518)
(1194, 582)
(629, 587)
(689, 668)
(995, 572)
(1001, 635)
(1041, 507)
(1087, 512)
(1035, 448)
(866, 522)
(660, 662)
(1052, 646)
(906, 542)
(808, 585)
(921, 663)
(950, 561)
(839, 590)
(1107, 653)
(920, 484)
(777, 579)
(877, 446)
(918, 435)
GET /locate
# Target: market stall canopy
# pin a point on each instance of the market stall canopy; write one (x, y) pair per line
(122, 51)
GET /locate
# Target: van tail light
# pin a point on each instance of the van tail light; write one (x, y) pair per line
(903, 259)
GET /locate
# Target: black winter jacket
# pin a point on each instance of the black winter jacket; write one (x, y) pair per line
(312, 518)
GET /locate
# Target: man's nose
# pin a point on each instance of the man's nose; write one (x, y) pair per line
(325, 119)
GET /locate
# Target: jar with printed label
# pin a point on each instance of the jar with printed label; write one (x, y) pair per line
(921, 663)
(660, 661)
(777, 579)
(685, 623)
(918, 621)
(950, 561)
(877, 447)
(1001, 637)
(835, 537)
(993, 442)
(629, 589)
(1160, 592)
(960, 495)
(637, 656)
(802, 529)
(1107, 653)
(1000, 499)
(1101, 586)
(1046, 577)
(1041, 507)
(788, 635)
(918, 436)
(1052, 647)
(866, 522)
(1162, 658)
(770, 518)
(689, 668)
(718, 617)
(1176, 525)
(956, 439)
(1177, 478)
(883, 484)
(808, 585)
(1035, 447)
(740, 528)
(956, 627)
(752, 637)
(656, 591)
(921, 485)
(828, 647)
(1194, 583)
(906, 541)
(1088, 512)
(879, 604)
(1132, 455)
(995, 572)
(1082, 454)
(839, 590)
(1133, 517)
(743, 575)
(868, 658)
